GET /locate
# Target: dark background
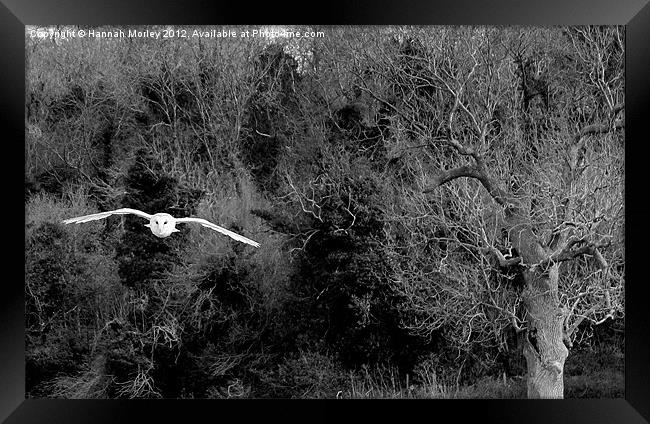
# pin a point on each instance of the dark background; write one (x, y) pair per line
(15, 14)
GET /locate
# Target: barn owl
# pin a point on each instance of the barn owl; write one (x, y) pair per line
(161, 224)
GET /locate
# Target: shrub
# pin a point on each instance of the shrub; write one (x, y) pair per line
(303, 375)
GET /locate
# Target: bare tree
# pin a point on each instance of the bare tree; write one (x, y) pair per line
(498, 178)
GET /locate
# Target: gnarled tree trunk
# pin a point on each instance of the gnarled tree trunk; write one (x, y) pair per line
(544, 348)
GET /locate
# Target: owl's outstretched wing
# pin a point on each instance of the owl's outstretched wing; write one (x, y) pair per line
(102, 215)
(222, 230)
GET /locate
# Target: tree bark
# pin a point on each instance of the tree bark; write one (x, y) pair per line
(544, 348)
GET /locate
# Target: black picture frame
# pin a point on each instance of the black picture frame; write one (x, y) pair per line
(635, 14)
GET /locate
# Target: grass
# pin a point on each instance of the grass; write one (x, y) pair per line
(312, 375)
(588, 374)
(606, 384)
(485, 388)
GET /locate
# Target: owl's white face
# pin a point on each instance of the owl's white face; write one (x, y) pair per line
(162, 225)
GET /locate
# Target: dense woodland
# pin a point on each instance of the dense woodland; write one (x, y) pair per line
(440, 212)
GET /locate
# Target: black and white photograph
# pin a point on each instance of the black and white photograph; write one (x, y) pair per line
(325, 212)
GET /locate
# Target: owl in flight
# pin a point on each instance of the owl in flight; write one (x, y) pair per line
(161, 224)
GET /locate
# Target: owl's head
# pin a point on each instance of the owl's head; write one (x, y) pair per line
(162, 225)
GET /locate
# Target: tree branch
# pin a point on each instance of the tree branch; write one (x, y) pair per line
(577, 149)
(594, 129)
(444, 177)
(568, 253)
(477, 171)
(503, 262)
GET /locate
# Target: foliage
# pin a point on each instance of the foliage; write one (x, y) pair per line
(379, 273)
